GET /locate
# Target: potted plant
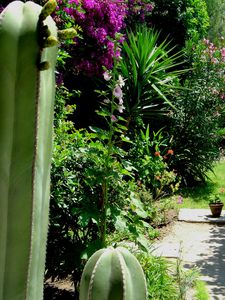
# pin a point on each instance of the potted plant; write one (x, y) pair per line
(216, 206)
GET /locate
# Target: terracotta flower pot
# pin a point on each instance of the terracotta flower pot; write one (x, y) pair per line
(216, 209)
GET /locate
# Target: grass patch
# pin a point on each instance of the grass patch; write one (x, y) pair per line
(201, 291)
(198, 197)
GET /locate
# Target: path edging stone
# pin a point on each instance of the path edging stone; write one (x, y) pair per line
(199, 216)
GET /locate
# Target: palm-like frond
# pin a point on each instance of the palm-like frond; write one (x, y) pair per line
(150, 71)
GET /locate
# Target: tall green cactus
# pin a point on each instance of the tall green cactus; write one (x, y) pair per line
(113, 274)
(26, 115)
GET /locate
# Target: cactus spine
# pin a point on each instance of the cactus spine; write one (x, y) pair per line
(113, 274)
(26, 115)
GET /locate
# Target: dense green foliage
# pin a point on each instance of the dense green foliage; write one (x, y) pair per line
(81, 211)
(156, 126)
(160, 284)
(196, 19)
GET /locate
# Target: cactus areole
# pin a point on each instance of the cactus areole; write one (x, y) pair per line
(27, 87)
(113, 274)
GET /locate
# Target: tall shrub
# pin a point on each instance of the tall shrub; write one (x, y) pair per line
(196, 19)
(201, 108)
(217, 20)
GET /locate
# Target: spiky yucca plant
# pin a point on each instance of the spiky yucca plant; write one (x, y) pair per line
(150, 69)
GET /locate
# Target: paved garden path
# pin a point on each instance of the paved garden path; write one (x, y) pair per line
(200, 241)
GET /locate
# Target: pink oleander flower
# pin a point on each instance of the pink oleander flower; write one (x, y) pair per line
(222, 51)
(214, 60)
(207, 42)
(72, 2)
(149, 7)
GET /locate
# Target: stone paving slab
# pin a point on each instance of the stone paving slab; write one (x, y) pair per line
(199, 216)
(167, 249)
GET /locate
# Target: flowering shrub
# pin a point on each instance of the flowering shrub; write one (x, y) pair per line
(201, 113)
(101, 21)
(209, 59)
(150, 157)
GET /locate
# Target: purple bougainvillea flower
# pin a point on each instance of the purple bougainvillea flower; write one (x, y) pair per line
(100, 21)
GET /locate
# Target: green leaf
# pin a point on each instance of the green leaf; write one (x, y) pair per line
(120, 223)
(91, 249)
(142, 240)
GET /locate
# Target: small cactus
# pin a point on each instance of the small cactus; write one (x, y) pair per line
(27, 87)
(113, 274)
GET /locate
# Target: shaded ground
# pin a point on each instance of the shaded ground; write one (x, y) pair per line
(59, 290)
(54, 293)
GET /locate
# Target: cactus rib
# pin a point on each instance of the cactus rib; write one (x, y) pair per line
(26, 114)
(113, 274)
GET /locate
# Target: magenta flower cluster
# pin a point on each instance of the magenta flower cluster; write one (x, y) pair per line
(100, 21)
(213, 53)
(214, 59)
